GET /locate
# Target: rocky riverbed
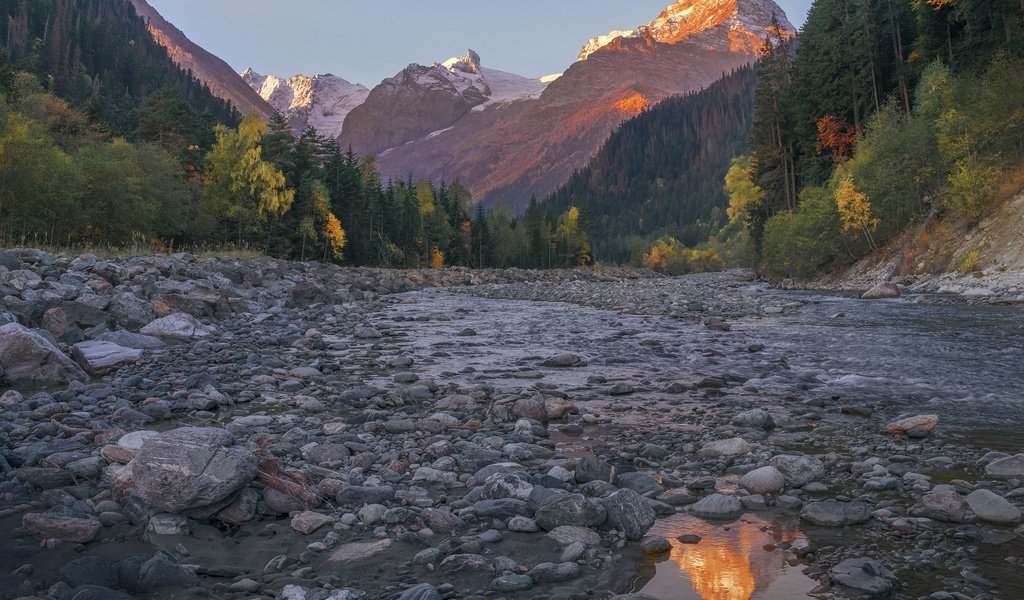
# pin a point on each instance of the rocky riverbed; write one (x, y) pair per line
(175, 427)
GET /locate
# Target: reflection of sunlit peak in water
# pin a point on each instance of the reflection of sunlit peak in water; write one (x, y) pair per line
(718, 569)
(730, 563)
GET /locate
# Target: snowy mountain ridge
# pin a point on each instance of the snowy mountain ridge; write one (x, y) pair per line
(321, 101)
(747, 22)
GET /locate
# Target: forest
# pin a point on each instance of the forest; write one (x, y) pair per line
(884, 115)
(660, 174)
(105, 143)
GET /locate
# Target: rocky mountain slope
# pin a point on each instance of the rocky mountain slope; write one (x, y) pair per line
(423, 102)
(214, 72)
(504, 152)
(321, 101)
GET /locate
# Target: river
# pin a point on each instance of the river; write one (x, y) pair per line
(964, 363)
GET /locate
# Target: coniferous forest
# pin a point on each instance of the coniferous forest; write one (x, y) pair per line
(660, 174)
(885, 114)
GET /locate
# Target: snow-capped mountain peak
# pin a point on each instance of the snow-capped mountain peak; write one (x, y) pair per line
(321, 101)
(744, 23)
(470, 63)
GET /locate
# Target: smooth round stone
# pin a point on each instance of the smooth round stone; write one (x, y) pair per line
(766, 480)
(655, 545)
(512, 583)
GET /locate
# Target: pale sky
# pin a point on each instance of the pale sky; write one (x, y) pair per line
(366, 41)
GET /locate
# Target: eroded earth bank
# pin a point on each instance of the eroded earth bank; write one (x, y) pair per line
(177, 427)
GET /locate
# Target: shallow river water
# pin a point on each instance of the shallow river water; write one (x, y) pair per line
(963, 363)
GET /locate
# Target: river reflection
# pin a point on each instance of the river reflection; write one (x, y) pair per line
(735, 561)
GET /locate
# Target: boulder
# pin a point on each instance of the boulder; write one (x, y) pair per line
(307, 522)
(130, 311)
(946, 506)
(44, 526)
(461, 563)
(640, 483)
(143, 573)
(100, 358)
(993, 508)
(568, 534)
(28, 358)
(725, 448)
(882, 291)
(629, 513)
(55, 321)
(718, 506)
(911, 424)
(865, 577)
(798, 470)
(1011, 467)
(190, 468)
(178, 326)
(128, 339)
(351, 553)
(590, 468)
(834, 513)
(766, 480)
(569, 509)
(554, 573)
(755, 419)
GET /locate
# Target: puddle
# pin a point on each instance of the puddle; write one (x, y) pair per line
(741, 560)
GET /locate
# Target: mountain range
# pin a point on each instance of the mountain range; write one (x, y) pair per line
(504, 136)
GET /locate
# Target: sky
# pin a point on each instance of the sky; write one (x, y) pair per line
(366, 41)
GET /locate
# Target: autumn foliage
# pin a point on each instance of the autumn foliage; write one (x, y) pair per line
(837, 137)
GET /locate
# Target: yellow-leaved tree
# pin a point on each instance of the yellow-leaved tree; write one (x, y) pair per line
(855, 211)
(240, 185)
(321, 226)
(745, 197)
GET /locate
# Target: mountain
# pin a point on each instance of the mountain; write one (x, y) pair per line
(222, 80)
(505, 151)
(422, 102)
(661, 173)
(321, 102)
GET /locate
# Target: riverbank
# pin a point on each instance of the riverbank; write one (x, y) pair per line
(540, 434)
(947, 261)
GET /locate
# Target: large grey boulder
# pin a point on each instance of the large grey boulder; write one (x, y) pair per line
(993, 508)
(569, 509)
(798, 470)
(864, 577)
(946, 506)
(130, 311)
(629, 513)
(766, 480)
(191, 468)
(143, 573)
(882, 291)
(128, 339)
(591, 468)
(45, 526)
(725, 448)
(28, 358)
(755, 419)
(718, 506)
(178, 326)
(100, 358)
(834, 513)
(1011, 467)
